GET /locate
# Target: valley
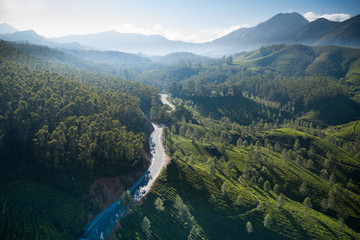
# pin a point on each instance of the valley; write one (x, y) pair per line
(253, 135)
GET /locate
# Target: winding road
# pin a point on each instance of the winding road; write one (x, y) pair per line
(165, 101)
(103, 224)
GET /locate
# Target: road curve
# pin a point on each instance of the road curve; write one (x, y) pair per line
(103, 224)
(165, 101)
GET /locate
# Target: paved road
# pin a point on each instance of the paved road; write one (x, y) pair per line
(158, 157)
(102, 226)
(165, 101)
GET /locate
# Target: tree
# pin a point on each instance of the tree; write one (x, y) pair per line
(229, 60)
(267, 186)
(324, 204)
(257, 144)
(307, 203)
(249, 227)
(309, 164)
(324, 174)
(277, 147)
(267, 221)
(277, 188)
(178, 202)
(296, 145)
(212, 199)
(228, 167)
(303, 188)
(299, 160)
(239, 142)
(238, 200)
(331, 199)
(183, 211)
(280, 201)
(253, 180)
(126, 200)
(332, 178)
(224, 188)
(146, 224)
(350, 184)
(327, 163)
(285, 156)
(159, 205)
(260, 180)
(245, 144)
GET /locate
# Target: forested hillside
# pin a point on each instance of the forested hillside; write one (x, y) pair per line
(95, 74)
(62, 119)
(309, 95)
(63, 124)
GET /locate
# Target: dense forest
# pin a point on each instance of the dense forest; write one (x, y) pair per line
(63, 125)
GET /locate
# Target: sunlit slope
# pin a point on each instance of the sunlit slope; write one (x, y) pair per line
(303, 60)
(198, 176)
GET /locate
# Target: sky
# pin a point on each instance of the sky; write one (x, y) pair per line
(185, 20)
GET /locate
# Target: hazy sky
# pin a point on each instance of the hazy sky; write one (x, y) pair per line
(188, 20)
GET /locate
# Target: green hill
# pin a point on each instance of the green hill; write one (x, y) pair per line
(239, 109)
(303, 60)
(245, 183)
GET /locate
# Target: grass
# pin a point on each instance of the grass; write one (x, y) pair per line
(30, 210)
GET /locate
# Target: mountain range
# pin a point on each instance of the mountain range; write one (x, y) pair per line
(288, 28)
(7, 29)
(291, 28)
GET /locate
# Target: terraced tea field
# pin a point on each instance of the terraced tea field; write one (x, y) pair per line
(30, 210)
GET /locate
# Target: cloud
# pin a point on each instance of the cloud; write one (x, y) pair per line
(335, 17)
(200, 36)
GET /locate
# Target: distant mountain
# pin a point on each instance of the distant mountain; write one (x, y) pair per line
(283, 28)
(290, 28)
(346, 33)
(266, 33)
(179, 57)
(6, 28)
(28, 36)
(313, 31)
(112, 57)
(32, 37)
(128, 42)
(115, 58)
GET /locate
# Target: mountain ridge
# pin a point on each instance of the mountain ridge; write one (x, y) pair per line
(283, 28)
(6, 28)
